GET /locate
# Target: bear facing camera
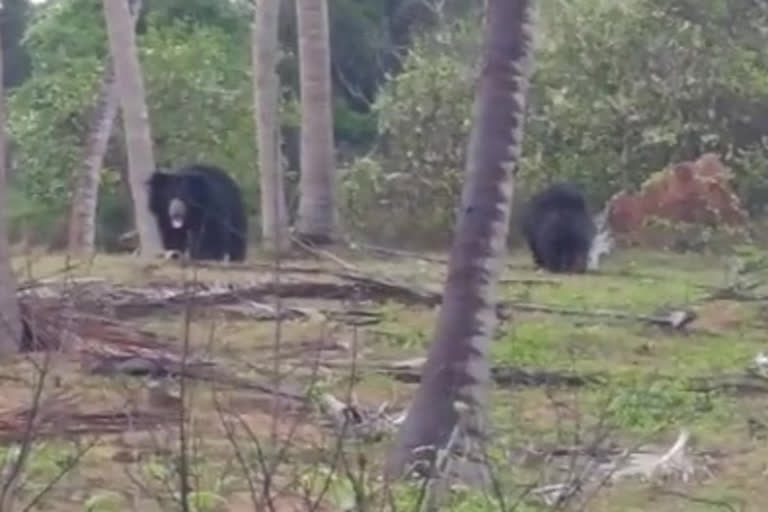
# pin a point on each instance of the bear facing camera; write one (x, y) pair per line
(559, 229)
(199, 210)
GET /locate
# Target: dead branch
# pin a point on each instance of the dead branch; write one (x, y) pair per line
(410, 371)
(131, 302)
(530, 282)
(740, 384)
(677, 319)
(322, 253)
(385, 251)
(66, 421)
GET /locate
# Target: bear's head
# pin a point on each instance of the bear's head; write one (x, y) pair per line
(176, 197)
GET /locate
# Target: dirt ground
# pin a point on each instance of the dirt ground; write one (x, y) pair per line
(602, 374)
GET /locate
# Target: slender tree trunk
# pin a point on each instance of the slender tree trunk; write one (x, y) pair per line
(274, 215)
(457, 365)
(315, 221)
(14, 24)
(138, 139)
(82, 223)
(10, 316)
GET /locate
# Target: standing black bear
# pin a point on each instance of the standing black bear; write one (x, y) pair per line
(199, 208)
(559, 229)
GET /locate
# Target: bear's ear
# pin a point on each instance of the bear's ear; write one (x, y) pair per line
(158, 180)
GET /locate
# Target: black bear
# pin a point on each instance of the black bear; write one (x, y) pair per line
(559, 229)
(199, 208)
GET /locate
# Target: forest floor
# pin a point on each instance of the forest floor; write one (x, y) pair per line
(604, 376)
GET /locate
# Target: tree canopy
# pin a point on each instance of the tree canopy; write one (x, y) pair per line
(621, 88)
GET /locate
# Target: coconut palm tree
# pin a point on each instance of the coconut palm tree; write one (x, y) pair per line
(315, 221)
(264, 48)
(138, 137)
(10, 317)
(85, 196)
(457, 367)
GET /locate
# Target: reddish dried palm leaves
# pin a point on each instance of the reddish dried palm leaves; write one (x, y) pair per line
(690, 192)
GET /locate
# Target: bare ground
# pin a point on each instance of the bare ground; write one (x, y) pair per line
(581, 369)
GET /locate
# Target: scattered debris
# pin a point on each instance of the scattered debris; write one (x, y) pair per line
(749, 383)
(399, 253)
(368, 425)
(596, 467)
(59, 415)
(677, 319)
(673, 463)
(409, 370)
(110, 347)
(761, 364)
(101, 297)
(514, 377)
(530, 282)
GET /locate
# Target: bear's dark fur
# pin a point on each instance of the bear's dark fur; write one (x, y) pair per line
(199, 208)
(559, 229)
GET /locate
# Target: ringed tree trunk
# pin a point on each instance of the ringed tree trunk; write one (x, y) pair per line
(82, 222)
(10, 316)
(315, 221)
(457, 367)
(138, 139)
(264, 48)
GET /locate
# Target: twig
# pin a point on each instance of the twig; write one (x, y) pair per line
(676, 319)
(322, 253)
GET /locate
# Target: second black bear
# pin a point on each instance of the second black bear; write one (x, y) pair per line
(559, 229)
(199, 208)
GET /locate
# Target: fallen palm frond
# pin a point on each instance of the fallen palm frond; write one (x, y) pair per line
(60, 416)
(107, 346)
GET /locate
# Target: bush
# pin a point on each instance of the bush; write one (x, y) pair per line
(620, 90)
(406, 191)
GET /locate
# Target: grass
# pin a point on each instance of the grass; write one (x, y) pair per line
(646, 396)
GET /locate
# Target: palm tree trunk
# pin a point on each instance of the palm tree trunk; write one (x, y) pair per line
(457, 364)
(274, 215)
(316, 189)
(130, 88)
(10, 316)
(82, 223)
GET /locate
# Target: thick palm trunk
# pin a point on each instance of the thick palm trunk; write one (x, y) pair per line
(82, 223)
(457, 365)
(316, 189)
(138, 139)
(274, 215)
(10, 316)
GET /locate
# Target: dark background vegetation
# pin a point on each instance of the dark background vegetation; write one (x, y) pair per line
(621, 89)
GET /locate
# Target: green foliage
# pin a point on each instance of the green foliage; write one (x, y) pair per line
(199, 96)
(624, 88)
(104, 501)
(353, 127)
(646, 404)
(232, 17)
(688, 237)
(63, 30)
(536, 345)
(620, 90)
(114, 214)
(211, 485)
(197, 81)
(751, 168)
(424, 120)
(47, 124)
(45, 464)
